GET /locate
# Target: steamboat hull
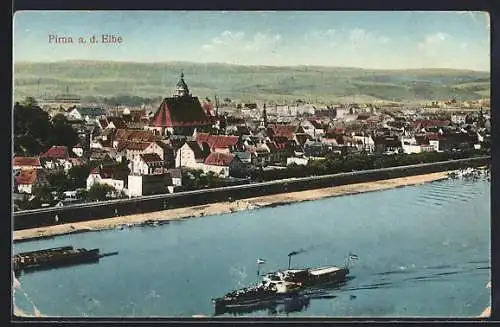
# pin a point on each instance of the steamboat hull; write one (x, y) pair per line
(251, 300)
(337, 276)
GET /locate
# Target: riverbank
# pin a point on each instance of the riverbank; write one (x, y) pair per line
(224, 207)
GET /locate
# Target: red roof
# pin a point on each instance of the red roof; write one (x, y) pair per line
(141, 146)
(432, 136)
(134, 135)
(287, 131)
(180, 111)
(27, 177)
(202, 137)
(26, 161)
(56, 152)
(219, 159)
(222, 141)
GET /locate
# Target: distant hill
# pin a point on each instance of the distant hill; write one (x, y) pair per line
(91, 79)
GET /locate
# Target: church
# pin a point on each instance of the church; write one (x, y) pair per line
(181, 114)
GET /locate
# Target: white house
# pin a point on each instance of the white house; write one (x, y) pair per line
(410, 145)
(86, 113)
(296, 161)
(176, 176)
(365, 142)
(56, 157)
(458, 118)
(312, 128)
(107, 175)
(27, 181)
(222, 164)
(78, 150)
(140, 185)
(341, 112)
(190, 155)
(133, 150)
(148, 164)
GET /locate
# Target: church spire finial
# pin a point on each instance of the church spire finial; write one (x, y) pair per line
(182, 88)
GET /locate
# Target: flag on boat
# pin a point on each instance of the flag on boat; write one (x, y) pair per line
(260, 261)
(353, 256)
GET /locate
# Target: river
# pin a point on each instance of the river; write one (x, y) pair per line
(424, 251)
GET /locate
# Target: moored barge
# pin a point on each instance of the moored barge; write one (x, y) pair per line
(52, 258)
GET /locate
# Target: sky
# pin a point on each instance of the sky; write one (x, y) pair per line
(363, 39)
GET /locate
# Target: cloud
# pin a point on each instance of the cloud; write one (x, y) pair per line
(239, 41)
(358, 35)
(430, 41)
(320, 35)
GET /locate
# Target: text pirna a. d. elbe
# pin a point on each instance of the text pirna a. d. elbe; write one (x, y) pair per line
(106, 38)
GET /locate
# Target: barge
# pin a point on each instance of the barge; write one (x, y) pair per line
(54, 257)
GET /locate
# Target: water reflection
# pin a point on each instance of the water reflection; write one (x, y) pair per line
(272, 307)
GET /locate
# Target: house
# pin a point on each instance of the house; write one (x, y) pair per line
(114, 176)
(56, 157)
(78, 150)
(27, 181)
(99, 155)
(425, 124)
(133, 150)
(176, 175)
(433, 139)
(244, 156)
(132, 136)
(26, 163)
(86, 113)
(416, 144)
(387, 144)
(148, 164)
(266, 153)
(312, 127)
(191, 155)
(223, 164)
(140, 185)
(341, 112)
(180, 114)
(458, 118)
(222, 143)
(297, 161)
(364, 142)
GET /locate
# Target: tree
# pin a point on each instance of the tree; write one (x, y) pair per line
(59, 181)
(100, 192)
(78, 175)
(62, 133)
(30, 102)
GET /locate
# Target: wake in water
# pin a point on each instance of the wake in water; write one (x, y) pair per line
(17, 311)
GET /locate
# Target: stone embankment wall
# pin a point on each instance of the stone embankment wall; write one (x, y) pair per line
(106, 209)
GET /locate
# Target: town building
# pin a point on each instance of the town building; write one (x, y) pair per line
(181, 114)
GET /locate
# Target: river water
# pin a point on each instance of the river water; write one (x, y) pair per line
(424, 251)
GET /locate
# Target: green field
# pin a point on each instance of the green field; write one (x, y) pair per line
(95, 79)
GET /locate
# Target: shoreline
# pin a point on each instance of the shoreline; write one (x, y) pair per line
(219, 208)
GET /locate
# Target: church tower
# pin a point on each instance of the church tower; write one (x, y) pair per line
(263, 121)
(182, 88)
